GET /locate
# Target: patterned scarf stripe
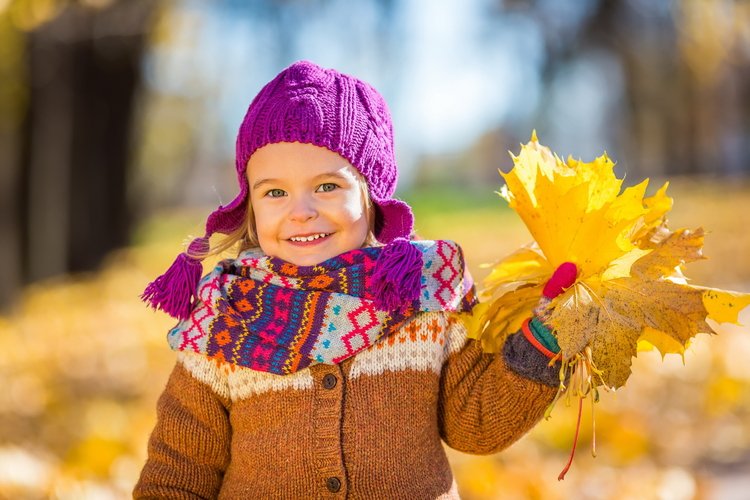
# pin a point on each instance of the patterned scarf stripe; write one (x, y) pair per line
(302, 342)
(283, 323)
(344, 283)
(269, 315)
(238, 347)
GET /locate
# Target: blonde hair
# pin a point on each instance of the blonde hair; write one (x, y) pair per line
(244, 237)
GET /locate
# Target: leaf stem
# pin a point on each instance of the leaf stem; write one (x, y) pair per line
(594, 397)
(575, 442)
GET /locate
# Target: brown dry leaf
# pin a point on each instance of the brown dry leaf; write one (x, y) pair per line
(671, 251)
(615, 323)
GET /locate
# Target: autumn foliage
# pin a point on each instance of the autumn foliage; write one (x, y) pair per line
(630, 292)
(630, 289)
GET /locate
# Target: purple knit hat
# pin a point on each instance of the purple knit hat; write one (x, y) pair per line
(312, 105)
(308, 104)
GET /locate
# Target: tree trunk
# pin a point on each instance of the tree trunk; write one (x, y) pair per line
(83, 78)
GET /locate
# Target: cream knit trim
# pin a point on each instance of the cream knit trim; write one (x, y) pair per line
(457, 334)
(423, 344)
(244, 382)
(238, 383)
(206, 371)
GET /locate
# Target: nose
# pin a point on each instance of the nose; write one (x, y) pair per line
(302, 209)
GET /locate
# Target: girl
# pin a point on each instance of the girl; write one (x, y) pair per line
(329, 358)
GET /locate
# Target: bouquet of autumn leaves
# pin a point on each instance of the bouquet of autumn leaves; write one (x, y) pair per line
(630, 292)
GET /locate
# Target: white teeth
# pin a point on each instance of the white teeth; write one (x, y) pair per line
(309, 238)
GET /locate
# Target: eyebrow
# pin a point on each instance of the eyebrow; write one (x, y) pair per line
(260, 182)
(324, 175)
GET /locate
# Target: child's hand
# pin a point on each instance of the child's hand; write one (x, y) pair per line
(534, 328)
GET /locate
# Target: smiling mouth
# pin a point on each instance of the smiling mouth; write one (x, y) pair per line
(309, 238)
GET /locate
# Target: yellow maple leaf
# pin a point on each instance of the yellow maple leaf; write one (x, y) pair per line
(630, 290)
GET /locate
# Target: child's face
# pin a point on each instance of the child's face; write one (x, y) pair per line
(307, 203)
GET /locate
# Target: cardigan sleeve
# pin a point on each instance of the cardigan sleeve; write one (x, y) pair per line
(488, 401)
(189, 447)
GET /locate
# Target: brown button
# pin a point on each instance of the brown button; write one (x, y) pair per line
(333, 484)
(329, 381)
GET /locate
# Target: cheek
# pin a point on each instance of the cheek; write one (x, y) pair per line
(264, 220)
(353, 207)
(355, 214)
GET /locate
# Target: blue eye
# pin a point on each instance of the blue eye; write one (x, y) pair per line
(276, 193)
(327, 187)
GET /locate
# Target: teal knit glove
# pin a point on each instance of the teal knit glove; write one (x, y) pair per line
(540, 337)
(543, 335)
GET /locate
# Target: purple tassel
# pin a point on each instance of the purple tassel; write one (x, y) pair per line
(397, 275)
(173, 291)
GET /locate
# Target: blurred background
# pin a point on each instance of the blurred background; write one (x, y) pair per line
(117, 124)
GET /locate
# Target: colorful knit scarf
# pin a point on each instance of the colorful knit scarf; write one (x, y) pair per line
(269, 315)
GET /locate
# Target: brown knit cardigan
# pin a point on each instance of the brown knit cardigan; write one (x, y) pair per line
(369, 428)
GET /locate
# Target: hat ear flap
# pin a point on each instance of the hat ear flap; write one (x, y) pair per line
(393, 219)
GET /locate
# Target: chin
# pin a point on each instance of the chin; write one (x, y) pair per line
(305, 260)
